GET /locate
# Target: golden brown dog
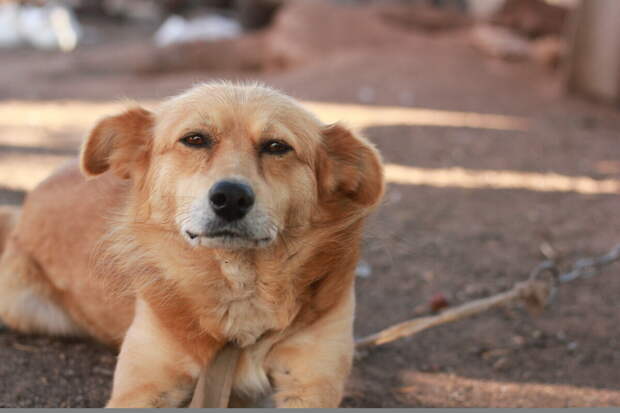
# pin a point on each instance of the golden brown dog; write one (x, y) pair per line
(229, 214)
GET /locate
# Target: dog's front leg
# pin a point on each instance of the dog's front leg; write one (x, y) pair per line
(310, 368)
(153, 370)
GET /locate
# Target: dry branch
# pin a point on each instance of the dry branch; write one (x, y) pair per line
(534, 292)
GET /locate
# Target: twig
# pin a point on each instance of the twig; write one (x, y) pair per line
(535, 292)
(25, 347)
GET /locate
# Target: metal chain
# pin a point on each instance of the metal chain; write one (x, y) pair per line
(588, 267)
(583, 268)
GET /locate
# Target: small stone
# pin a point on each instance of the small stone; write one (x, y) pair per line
(501, 364)
(498, 352)
(103, 371)
(428, 276)
(438, 302)
(518, 341)
(363, 269)
(366, 94)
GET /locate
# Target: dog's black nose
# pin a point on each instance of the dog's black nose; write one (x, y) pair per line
(231, 200)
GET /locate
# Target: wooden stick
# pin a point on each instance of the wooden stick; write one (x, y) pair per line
(534, 292)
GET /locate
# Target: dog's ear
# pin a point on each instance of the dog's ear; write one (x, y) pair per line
(349, 167)
(121, 143)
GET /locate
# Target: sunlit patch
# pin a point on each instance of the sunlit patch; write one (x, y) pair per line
(24, 172)
(498, 179)
(363, 116)
(61, 114)
(56, 114)
(74, 118)
(449, 390)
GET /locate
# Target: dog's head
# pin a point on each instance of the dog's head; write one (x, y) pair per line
(235, 166)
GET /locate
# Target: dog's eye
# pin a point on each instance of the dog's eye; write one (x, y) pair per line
(196, 140)
(275, 147)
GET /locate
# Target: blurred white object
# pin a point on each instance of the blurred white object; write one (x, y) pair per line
(500, 42)
(363, 269)
(176, 29)
(50, 27)
(9, 25)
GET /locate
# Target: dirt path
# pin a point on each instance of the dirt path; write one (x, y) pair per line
(465, 232)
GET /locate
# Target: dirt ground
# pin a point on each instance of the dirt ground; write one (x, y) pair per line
(456, 234)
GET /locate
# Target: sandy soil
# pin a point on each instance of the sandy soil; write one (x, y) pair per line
(457, 234)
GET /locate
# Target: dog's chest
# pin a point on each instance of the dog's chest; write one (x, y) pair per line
(245, 308)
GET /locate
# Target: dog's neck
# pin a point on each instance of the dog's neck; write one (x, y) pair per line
(239, 295)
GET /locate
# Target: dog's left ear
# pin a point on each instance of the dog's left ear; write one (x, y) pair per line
(349, 167)
(121, 143)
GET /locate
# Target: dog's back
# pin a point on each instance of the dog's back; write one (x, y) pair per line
(43, 287)
(8, 220)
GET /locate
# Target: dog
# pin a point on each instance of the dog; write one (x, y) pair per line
(229, 214)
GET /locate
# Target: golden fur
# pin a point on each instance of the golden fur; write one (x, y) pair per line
(107, 257)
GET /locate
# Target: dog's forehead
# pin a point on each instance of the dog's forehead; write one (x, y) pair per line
(223, 108)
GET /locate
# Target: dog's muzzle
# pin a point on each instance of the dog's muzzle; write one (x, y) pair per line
(230, 220)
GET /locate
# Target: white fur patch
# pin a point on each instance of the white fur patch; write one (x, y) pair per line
(245, 315)
(38, 314)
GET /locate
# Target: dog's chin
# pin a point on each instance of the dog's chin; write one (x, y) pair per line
(226, 240)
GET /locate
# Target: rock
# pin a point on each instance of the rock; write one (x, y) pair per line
(363, 269)
(294, 38)
(438, 302)
(502, 364)
(495, 353)
(518, 341)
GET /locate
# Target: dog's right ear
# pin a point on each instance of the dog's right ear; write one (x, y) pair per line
(121, 143)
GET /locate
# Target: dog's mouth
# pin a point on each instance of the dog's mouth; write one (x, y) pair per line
(214, 234)
(226, 237)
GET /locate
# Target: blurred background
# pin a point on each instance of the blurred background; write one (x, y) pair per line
(499, 125)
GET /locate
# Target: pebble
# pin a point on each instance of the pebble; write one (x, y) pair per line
(498, 352)
(501, 364)
(366, 94)
(518, 341)
(363, 269)
(103, 371)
